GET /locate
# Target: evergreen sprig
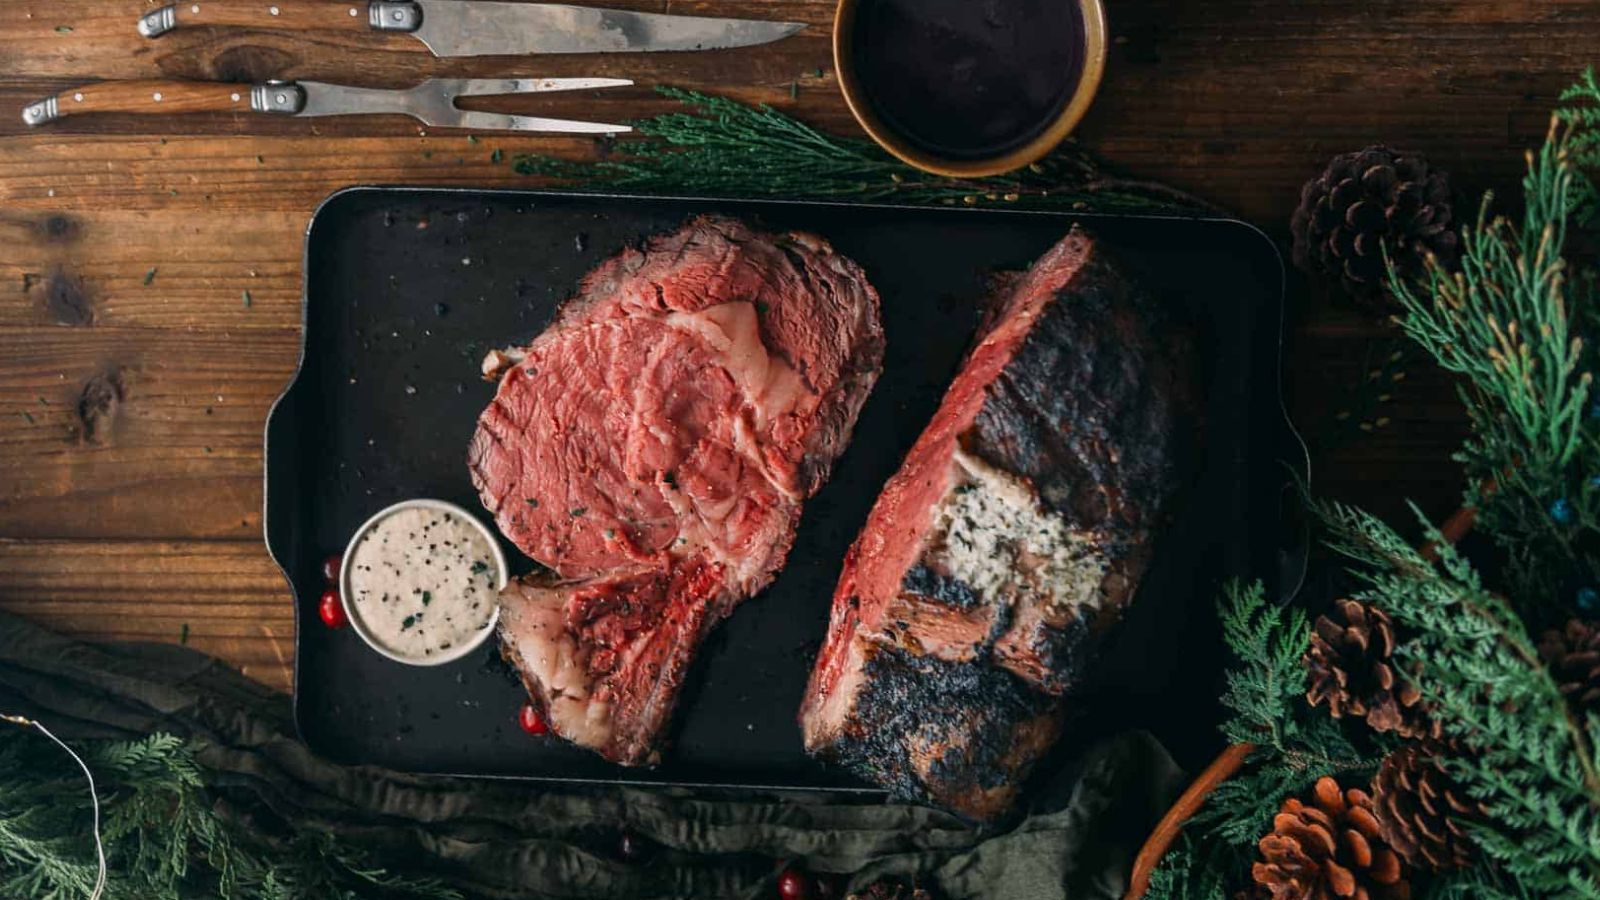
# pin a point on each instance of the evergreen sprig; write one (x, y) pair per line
(1512, 321)
(1479, 882)
(1268, 642)
(1296, 745)
(1530, 762)
(1517, 323)
(42, 851)
(1193, 871)
(167, 836)
(1266, 698)
(722, 147)
(1581, 114)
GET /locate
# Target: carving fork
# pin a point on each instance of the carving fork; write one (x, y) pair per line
(433, 102)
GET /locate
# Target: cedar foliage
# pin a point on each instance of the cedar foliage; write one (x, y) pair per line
(166, 835)
(1533, 763)
(721, 147)
(1296, 745)
(1515, 323)
(1265, 696)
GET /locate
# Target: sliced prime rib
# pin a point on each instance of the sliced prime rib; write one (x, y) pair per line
(1010, 540)
(653, 447)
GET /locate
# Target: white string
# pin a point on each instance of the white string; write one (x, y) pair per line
(94, 798)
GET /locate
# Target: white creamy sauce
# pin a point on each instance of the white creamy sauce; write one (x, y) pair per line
(991, 533)
(423, 581)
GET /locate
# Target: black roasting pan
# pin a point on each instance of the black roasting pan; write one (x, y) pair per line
(407, 288)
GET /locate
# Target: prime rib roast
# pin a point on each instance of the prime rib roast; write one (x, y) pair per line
(1009, 542)
(653, 448)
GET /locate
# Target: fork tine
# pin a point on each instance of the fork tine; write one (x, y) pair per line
(498, 122)
(481, 87)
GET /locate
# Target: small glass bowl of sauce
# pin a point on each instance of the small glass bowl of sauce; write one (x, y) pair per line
(420, 582)
(969, 88)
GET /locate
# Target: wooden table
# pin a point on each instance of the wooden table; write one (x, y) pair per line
(135, 375)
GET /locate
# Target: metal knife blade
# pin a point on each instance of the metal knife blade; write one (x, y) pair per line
(488, 28)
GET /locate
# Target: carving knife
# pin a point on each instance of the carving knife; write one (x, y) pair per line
(479, 27)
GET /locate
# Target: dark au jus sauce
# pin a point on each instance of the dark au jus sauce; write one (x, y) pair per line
(968, 78)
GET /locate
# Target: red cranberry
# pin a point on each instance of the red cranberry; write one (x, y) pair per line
(330, 568)
(532, 721)
(794, 885)
(331, 610)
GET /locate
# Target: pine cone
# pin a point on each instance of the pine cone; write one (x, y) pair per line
(1329, 848)
(1351, 666)
(1421, 809)
(1367, 203)
(1573, 654)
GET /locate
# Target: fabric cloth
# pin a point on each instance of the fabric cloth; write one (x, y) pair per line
(505, 839)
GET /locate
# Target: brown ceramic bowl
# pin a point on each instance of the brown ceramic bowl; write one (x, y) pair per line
(1094, 63)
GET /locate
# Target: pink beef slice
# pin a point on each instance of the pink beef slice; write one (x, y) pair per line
(1011, 539)
(653, 448)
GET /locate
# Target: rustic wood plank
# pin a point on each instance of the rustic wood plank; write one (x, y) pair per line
(53, 173)
(229, 594)
(114, 433)
(90, 267)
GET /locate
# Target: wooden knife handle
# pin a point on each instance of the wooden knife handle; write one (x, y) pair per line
(163, 97)
(286, 15)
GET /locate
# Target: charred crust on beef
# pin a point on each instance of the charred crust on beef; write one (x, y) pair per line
(945, 589)
(1004, 615)
(1008, 545)
(1095, 439)
(965, 714)
(1062, 655)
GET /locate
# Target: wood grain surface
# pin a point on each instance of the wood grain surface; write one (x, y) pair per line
(150, 274)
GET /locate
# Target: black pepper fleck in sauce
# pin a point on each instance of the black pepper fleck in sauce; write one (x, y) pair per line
(969, 79)
(420, 570)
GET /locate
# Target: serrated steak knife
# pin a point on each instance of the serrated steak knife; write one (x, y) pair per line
(479, 27)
